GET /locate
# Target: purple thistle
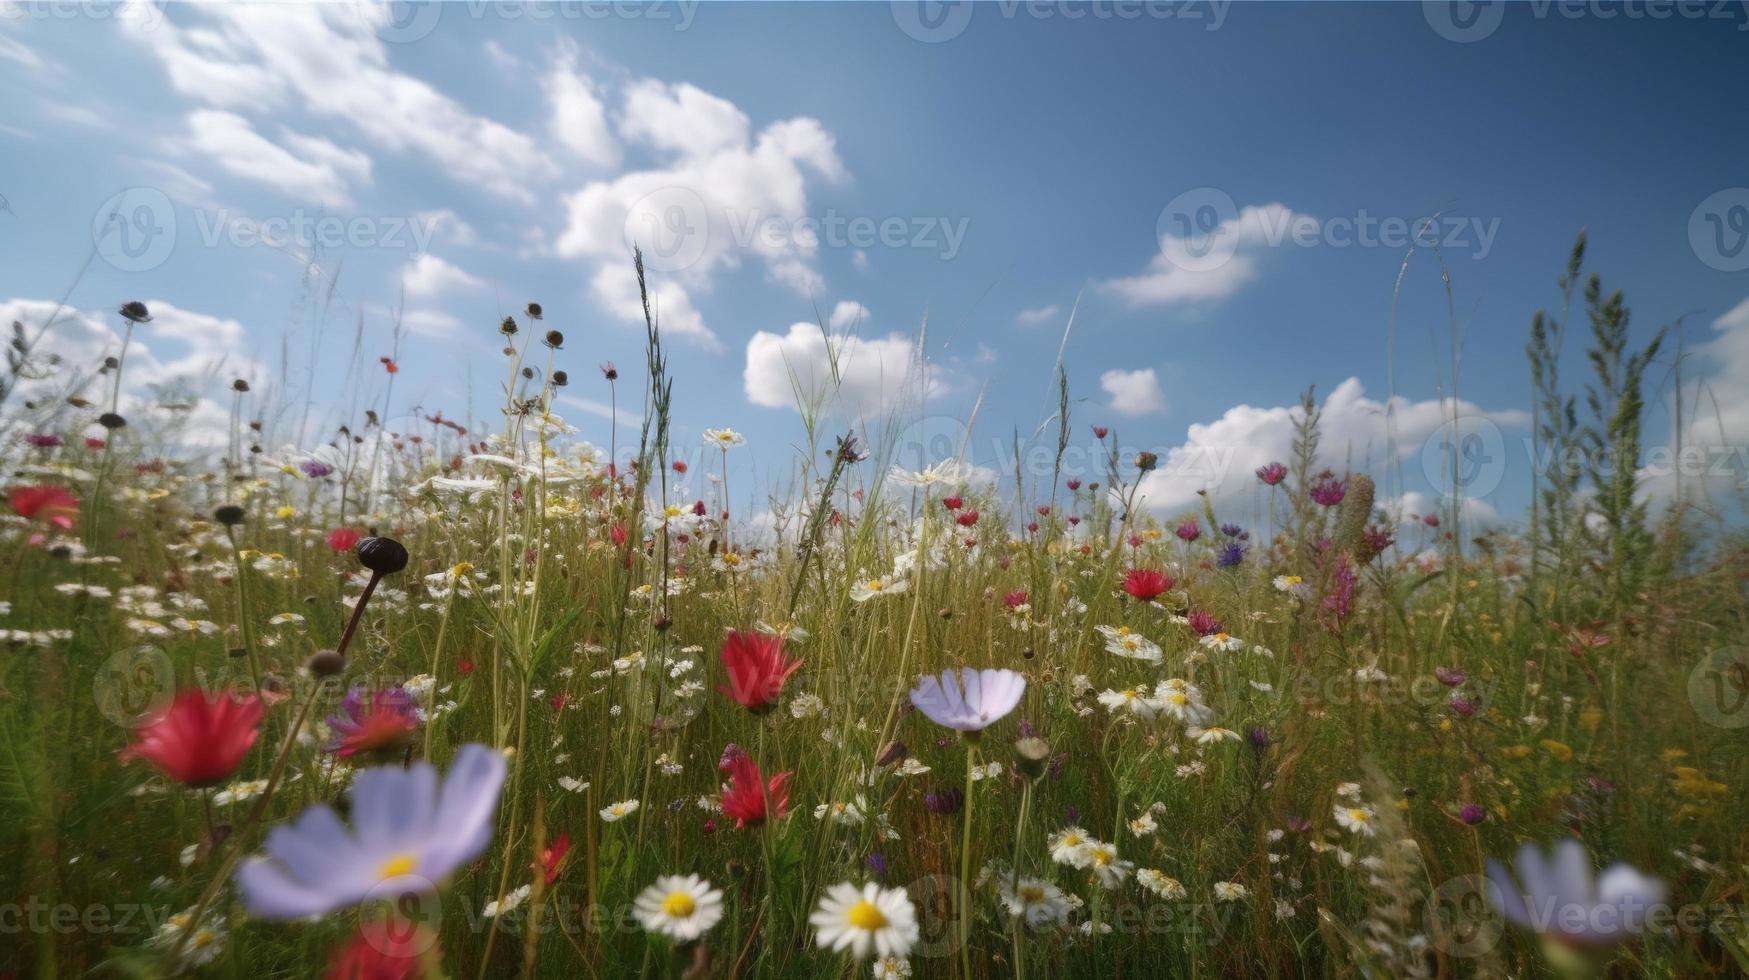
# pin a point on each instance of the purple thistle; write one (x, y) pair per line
(877, 863)
(1473, 814)
(1328, 492)
(1231, 553)
(315, 469)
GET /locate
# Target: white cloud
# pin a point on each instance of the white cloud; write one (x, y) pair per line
(327, 60)
(873, 375)
(432, 324)
(1134, 392)
(1713, 466)
(579, 120)
(722, 194)
(300, 166)
(615, 287)
(1182, 272)
(1222, 456)
(445, 225)
(1036, 315)
(848, 315)
(428, 275)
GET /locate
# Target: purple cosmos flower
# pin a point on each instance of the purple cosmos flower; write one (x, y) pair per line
(315, 469)
(1562, 900)
(407, 833)
(970, 701)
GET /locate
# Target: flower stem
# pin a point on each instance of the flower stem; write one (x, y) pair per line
(966, 870)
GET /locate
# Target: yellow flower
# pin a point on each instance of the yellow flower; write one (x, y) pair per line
(1560, 750)
(285, 512)
(1516, 751)
(1671, 755)
(1590, 719)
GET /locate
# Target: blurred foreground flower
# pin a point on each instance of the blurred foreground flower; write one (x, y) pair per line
(1561, 900)
(199, 739)
(53, 505)
(757, 669)
(384, 722)
(408, 833)
(971, 701)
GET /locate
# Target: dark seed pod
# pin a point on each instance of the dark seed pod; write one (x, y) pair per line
(135, 312)
(560, 379)
(325, 663)
(555, 339)
(384, 556)
(239, 386)
(534, 311)
(229, 515)
(508, 327)
(111, 421)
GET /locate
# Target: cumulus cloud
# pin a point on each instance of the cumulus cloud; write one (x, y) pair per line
(427, 275)
(1714, 465)
(1222, 456)
(873, 375)
(720, 194)
(1134, 392)
(1204, 269)
(579, 119)
(1036, 315)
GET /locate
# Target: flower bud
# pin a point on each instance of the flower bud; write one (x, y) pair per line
(384, 556)
(1146, 461)
(325, 663)
(1032, 755)
(229, 515)
(135, 312)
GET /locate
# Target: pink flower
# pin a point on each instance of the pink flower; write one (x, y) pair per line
(1271, 473)
(343, 539)
(1146, 583)
(757, 669)
(198, 740)
(1189, 531)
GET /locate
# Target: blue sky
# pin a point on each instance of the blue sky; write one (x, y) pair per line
(1024, 156)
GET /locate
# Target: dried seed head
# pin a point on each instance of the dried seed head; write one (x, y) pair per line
(1032, 755)
(230, 515)
(135, 312)
(534, 311)
(325, 663)
(555, 339)
(508, 327)
(111, 421)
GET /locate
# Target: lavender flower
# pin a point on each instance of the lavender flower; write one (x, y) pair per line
(1231, 553)
(315, 469)
(407, 833)
(1561, 898)
(970, 701)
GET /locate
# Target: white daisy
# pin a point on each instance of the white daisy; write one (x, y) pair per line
(681, 908)
(723, 438)
(1069, 846)
(1160, 884)
(1231, 891)
(620, 810)
(1107, 867)
(861, 919)
(868, 589)
(1040, 903)
(1130, 700)
(1356, 818)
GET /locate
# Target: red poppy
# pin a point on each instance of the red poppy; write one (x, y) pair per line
(52, 504)
(967, 519)
(389, 365)
(680, 466)
(698, 508)
(385, 949)
(552, 858)
(198, 740)
(1146, 583)
(464, 666)
(1099, 431)
(757, 669)
(92, 442)
(1074, 485)
(952, 503)
(745, 799)
(343, 539)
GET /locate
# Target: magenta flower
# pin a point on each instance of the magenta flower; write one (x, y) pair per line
(1328, 492)
(1271, 473)
(1189, 531)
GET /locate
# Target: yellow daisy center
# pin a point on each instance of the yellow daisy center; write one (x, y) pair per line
(1222, 637)
(397, 866)
(1031, 893)
(1293, 580)
(1102, 856)
(1358, 815)
(864, 915)
(1071, 840)
(874, 585)
(678, 905)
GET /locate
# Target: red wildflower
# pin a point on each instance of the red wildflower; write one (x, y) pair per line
(1015, 599)
(1099, 431)
(1044, 510)
(1189, 531)
(757, 669)
(680, 466)
(198, 740)
(1146, 583)
(1202, 623)
(53, 504)
(698, 508)
(552, 858)
(385, 949)
(967, 519)
(464, 667)
(43, 440)
(1431, 520)
(92, 442)
(343, 539)
(745, 799)
(952, 503)
(389, 365)
(1074, 485)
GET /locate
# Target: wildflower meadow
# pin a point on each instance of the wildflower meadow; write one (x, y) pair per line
(1280, 512)
(482, 700)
